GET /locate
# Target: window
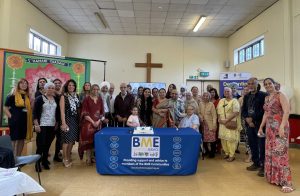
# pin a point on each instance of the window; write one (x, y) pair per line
(43, 44)
(249, 51)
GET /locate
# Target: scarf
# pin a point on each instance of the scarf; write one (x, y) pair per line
(74, 103)
(19, 102)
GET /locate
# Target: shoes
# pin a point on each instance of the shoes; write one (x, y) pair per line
(46, 166)
(226, 157)
(253, 167)
(230, 159)
(88, 162)
(57, 159)
(261, 172)
(287, 189)
(66, 163)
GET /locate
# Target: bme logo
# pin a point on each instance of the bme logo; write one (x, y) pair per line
(145, 147)
(145, 141)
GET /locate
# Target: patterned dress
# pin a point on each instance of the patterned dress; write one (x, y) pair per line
(277, 170)
(209, 116)
(72, 119)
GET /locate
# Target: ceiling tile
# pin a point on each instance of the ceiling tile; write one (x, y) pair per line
(174, 14)
(125, 13)
(158, 20)
(86, 4)
(153, 17)
(159, 14)
(124, 6)
(142, 20)
(159, 7)
(123, 0)
(69, 4)
(172, 21)
(142, 6)
(141, 14)
(81, 18)
(160, 1)
(177, 7)
(179, 1)
(109, 12)
(127, 19)
(106, 5)
(112, 19)
(201, 2)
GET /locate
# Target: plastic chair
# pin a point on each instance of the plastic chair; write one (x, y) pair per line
(20, 161)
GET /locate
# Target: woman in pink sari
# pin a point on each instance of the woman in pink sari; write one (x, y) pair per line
(160, 110)
(277, 170)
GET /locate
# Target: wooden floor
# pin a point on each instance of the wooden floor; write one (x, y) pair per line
(214, 177)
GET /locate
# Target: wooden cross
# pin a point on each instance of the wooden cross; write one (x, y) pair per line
(149, 65)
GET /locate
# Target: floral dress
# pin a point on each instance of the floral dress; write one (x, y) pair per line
(277, 170)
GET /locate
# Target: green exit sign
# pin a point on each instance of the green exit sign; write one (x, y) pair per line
(204, 74)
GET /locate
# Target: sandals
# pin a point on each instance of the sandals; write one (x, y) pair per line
(287, 189)
(88, 162)
(67, 163)
(230, 159)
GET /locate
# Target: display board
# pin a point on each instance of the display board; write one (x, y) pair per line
(16, 65)
(228, 79)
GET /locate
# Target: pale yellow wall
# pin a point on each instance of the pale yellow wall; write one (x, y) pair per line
(296, 51)
(5, 7)
(269, 24)
(180, 56)
(18, 17)
(281, 46)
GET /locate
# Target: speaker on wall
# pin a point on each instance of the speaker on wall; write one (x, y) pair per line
(227, 63)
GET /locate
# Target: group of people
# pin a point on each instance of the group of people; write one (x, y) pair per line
(62, 113)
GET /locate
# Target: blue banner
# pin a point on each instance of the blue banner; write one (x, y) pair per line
(233, 79)
(166, 152)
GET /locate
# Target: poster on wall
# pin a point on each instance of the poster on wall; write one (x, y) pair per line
(151, 85)
(33, 67)
(233, 79)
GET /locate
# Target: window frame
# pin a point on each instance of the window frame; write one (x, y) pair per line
(260, 40)
(42, 38)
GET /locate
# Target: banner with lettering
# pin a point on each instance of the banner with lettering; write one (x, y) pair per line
(32, 67)
(233, 79)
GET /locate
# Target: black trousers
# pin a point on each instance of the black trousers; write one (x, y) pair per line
(212, 150)
(43, 142)
(58, 144)
(257, 146)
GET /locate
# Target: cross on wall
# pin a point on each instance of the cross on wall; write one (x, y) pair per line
(149, 65)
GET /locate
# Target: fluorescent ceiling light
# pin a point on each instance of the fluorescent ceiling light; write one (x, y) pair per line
(199, 23)
(101, 19)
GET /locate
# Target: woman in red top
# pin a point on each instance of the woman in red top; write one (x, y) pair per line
(92, 115)
(214, 96)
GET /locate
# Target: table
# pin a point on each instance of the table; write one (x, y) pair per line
(169, 151)
(18, 183)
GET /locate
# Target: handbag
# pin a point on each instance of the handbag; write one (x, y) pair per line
(231, 124)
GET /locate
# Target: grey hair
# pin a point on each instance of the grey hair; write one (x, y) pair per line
(48, 84)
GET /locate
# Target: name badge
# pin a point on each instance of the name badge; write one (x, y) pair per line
(24, 110)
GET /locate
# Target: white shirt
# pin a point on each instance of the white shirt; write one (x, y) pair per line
(48, 113)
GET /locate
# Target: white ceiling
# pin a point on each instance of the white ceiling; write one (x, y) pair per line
(153, 17)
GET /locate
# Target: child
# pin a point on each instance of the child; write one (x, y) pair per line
(133, 120)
